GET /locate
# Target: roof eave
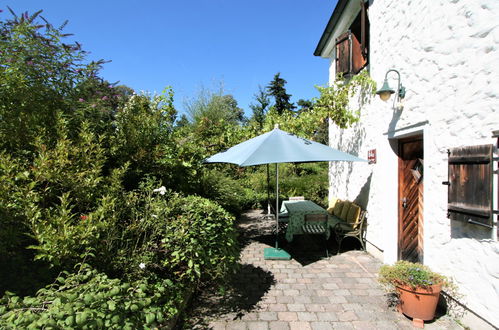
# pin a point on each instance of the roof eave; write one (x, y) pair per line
(337, 13)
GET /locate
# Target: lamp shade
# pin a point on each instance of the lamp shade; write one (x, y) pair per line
(385, 91)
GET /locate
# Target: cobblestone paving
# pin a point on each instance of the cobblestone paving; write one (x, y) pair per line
(307, 292)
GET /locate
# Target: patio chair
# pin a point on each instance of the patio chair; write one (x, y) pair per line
(356, 230)
(316, 224)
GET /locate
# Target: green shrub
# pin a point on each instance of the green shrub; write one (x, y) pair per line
(143, 128)
(307, 179)
(189, 239)
(414, 275)
(227, 192)
(200, 244)
(90, 299)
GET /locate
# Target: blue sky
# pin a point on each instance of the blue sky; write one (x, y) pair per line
(190, 44)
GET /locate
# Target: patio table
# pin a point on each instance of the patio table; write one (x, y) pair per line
(296, 214)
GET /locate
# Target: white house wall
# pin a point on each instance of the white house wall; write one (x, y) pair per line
(447, 53)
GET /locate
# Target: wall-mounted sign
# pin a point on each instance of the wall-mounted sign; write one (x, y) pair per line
(371, 156)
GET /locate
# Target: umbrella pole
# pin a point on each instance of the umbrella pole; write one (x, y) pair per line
(268, 191)
(276, 253)
(276, 203)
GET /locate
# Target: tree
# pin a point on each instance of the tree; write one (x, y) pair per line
(282, 99)
(262, 102)
(305, 105)
(182, 122)
(227, 106)
(213, 107)
(39, 74)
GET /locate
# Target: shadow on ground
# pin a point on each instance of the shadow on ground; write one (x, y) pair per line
(238, 298)
(309, 249)
(250, 284)
(304, 249)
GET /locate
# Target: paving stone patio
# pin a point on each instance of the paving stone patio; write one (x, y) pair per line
(307, 292)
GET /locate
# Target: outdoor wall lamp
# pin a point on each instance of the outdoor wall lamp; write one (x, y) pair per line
(386, 91)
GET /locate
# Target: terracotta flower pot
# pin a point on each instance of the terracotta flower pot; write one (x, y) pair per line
(420, 303)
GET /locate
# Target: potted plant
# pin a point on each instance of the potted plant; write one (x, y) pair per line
(417, 288)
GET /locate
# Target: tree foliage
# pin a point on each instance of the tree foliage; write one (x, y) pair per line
(276, 88)
(96, 176)
(80, 159)
(213, 107)
(259, 108)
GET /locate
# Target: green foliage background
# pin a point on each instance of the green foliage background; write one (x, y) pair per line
(108, 216)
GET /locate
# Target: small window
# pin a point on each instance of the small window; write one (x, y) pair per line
(470, 185)
(351, 46)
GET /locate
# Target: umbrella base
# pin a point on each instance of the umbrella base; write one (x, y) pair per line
(275, 254)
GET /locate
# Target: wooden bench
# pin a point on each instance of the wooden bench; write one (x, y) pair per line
(347, 219)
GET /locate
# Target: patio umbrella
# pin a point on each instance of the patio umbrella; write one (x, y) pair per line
(277, 147)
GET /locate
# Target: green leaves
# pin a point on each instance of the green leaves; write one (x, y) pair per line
(335, 100)
(196, 240)
(83, 301)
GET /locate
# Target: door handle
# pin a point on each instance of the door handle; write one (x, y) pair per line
(404, 203)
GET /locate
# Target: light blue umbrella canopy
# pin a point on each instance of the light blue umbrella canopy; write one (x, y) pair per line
(279, 146)
(276, 147)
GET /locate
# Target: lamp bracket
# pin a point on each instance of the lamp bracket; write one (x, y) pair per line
(400, 88)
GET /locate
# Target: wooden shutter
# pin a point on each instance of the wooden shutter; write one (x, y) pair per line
(343, 53)
(352, 54)
(470, 184)
(349, 56)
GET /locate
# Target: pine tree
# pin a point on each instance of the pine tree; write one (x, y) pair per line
(278, 91)
(262, 102)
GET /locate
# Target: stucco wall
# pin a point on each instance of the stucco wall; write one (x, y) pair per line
(448, 55)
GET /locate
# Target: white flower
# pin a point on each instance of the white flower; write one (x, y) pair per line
(161, 190)
(142, 265)
(154, 216)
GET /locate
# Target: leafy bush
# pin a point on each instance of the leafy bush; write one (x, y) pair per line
(87, 298)
(143, 127)
(307, 179)
(201, 241)
(79, 161)
(189, 239)
(410, 274)
(41, 76)
(227, 192)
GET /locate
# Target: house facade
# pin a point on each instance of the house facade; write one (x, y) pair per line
(431, 188)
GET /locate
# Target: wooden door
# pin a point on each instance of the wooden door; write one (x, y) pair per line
(411, 199)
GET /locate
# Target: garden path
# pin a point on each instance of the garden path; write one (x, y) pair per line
(306, 292)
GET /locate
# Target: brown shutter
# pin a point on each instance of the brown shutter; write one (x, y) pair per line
(349, 57)
(343, 53)
(470, 184)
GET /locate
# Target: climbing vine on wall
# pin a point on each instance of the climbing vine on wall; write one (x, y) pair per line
(335, 101)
